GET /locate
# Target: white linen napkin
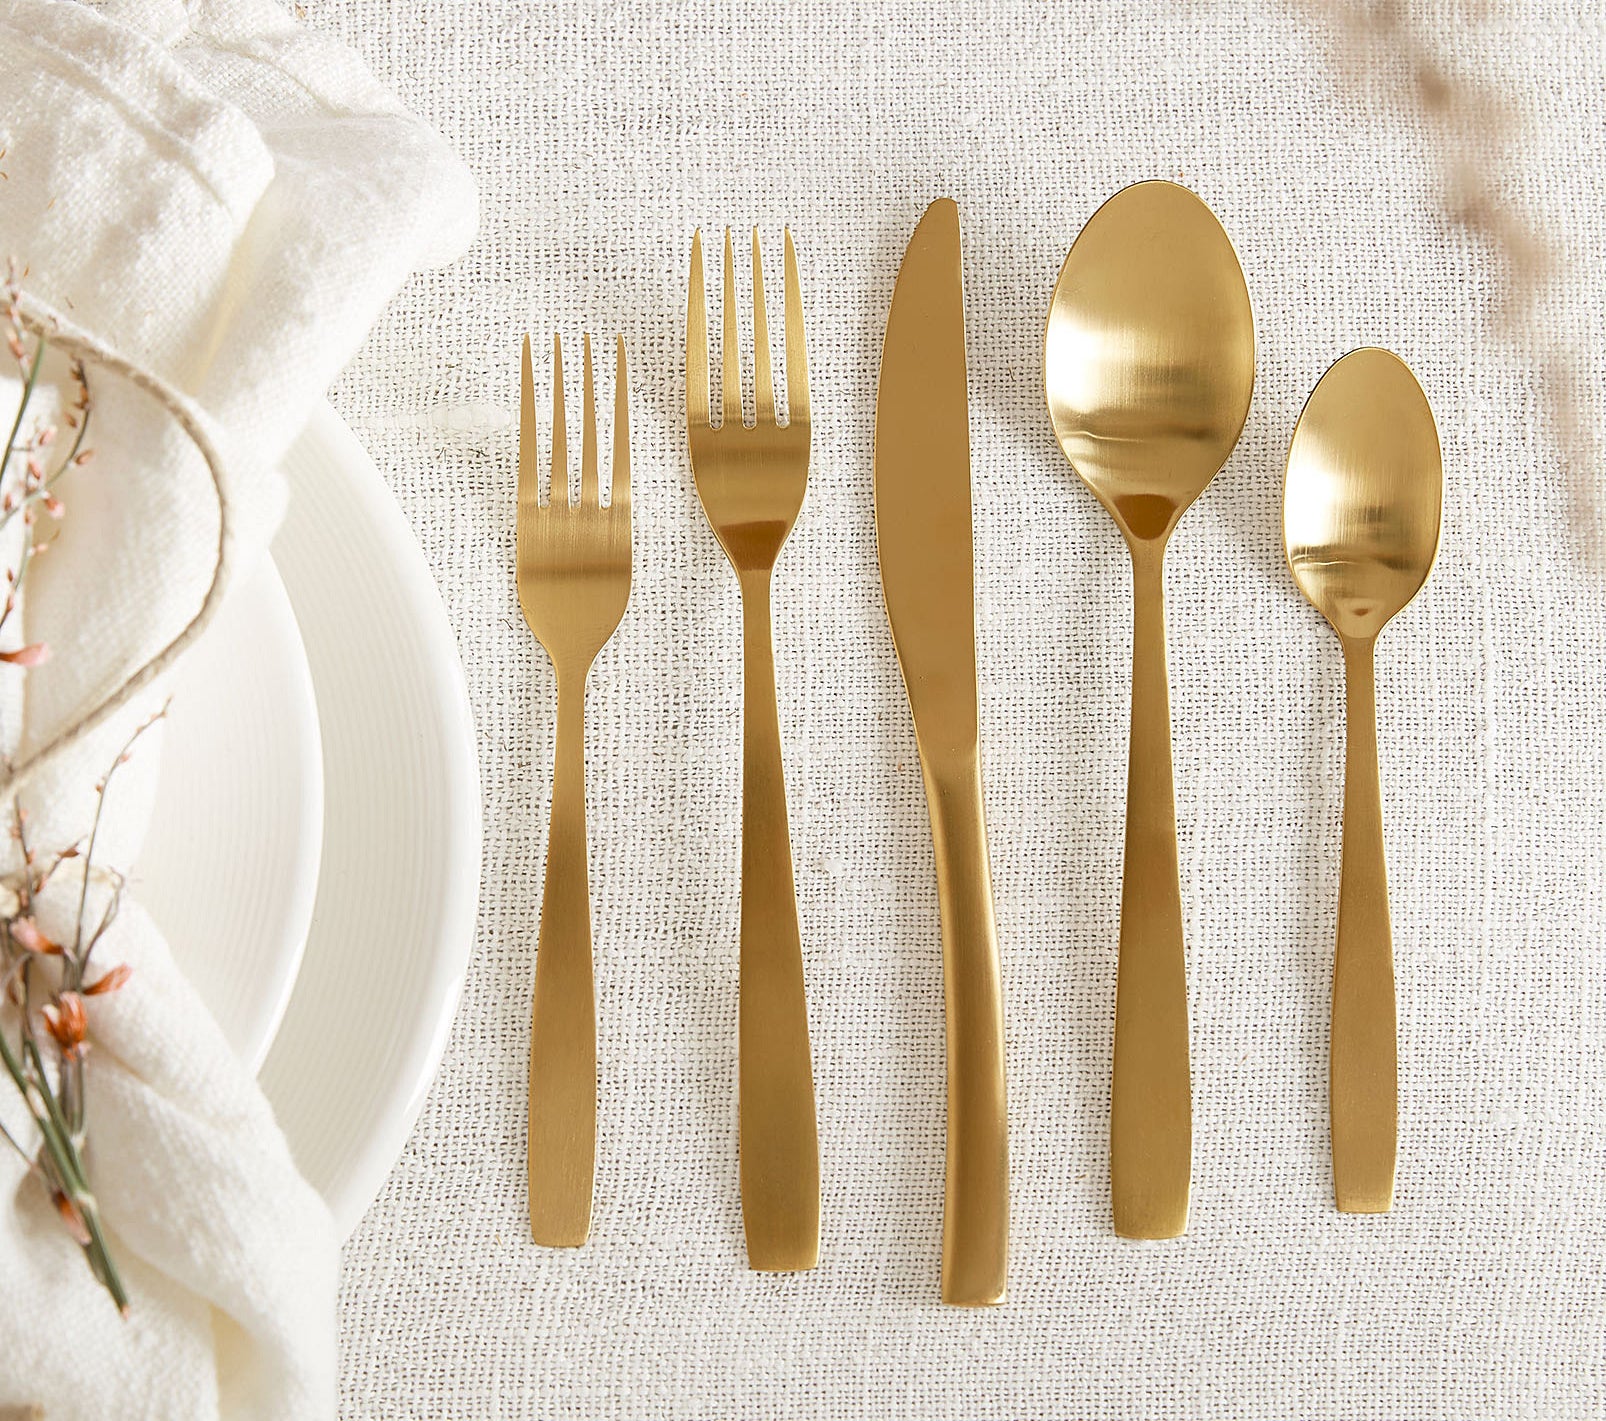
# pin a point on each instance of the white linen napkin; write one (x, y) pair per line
(226, 200)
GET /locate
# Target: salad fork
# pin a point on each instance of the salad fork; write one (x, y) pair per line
(574, 581)
(751, 483)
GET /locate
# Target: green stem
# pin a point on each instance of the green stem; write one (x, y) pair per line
(66, 1164)
(22, 408)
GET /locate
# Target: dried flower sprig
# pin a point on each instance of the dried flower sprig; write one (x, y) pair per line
(47, 982)
(35, 459)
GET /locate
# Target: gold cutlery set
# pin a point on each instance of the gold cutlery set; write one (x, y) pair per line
(1149, 364)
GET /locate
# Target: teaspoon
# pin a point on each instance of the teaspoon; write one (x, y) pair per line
(1361, 522)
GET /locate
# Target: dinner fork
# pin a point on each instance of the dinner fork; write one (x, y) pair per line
(751, 482)
(574, 581)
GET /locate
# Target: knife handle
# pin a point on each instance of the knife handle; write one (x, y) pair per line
(1362, 1083)
(1151, 1124)
(975, 1229)
(778, 1140)
(563, 1030)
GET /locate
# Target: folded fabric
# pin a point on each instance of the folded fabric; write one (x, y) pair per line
(226, 201)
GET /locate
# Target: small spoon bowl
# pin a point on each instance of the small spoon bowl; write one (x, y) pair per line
(1361, 503)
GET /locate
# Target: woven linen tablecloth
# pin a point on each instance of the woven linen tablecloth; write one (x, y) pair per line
(1428, 180)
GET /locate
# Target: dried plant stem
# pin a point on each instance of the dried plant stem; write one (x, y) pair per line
(57, 1109)
(45, 324)
(62, 1161)
(22, 405)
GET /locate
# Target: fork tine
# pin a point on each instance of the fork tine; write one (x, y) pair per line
(797, 356)
(588, 438)
(763, 389)
(560, 428)
(732, 351)
(529, 468)
(620, 496)
(697, 407)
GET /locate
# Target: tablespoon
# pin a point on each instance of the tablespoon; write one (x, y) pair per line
(1361, 522)
(1149, 361)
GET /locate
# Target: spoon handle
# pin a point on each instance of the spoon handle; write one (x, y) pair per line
(1151, 1126)
(1362, 1081)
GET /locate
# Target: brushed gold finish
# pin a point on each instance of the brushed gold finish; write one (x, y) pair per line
(923, 538)
(751, 481)
(574, 582)
(1149, 363)
(1361, 508)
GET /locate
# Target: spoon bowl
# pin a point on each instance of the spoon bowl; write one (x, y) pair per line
(1149, 355)
(1362, 499)
(1148, 366)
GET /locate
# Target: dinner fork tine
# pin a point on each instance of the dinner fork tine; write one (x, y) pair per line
(731, 345)
(529, 474)
(763, 388)
(699, 410)
(560, 430)
(797, 355)
(619, 494)
(588, 437)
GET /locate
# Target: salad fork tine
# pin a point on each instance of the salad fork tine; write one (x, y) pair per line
(797, 355)
(730, 345)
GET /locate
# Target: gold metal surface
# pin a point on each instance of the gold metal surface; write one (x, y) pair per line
(574, 581)
(923, 536)
(1149, 361)
(751, 481)
(1361, 523)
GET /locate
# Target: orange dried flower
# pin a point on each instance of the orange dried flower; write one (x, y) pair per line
(111, 982)
(31, 655)
(67, 1021)
(25, 933)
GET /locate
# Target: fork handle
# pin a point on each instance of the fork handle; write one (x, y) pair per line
(779, 1148)
(563, 1036)
(1362, 1076)
(1151, 1120)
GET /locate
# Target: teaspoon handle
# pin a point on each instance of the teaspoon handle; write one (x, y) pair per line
(1363, 1072)
(1151, 1127)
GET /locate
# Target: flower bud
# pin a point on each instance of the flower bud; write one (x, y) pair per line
(25, 933)
(114, 979)
(67, 1022)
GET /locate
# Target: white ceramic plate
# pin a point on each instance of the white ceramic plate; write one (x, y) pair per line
(389, 929)
(230, 859)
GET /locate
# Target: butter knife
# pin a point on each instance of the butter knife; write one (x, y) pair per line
(922, 514)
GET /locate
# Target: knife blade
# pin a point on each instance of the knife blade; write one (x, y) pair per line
(923, 540)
